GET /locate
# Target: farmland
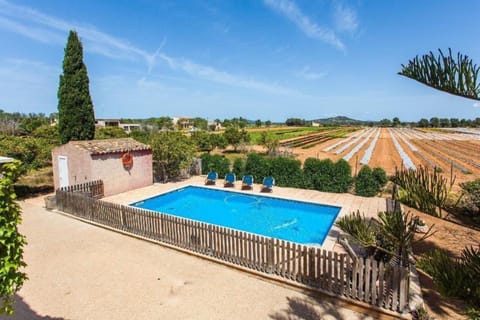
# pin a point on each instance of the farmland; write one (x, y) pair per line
(454, 152)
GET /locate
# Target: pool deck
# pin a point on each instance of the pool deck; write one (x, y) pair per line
(348, 202)
(80, 271)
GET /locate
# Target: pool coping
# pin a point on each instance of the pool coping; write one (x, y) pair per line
(314, 245)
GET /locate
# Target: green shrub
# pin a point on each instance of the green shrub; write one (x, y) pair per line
(325, 175)
(454, 277)
(34, 153)
(368, 182)
(216, 163)
(239, 167)
(380, 177)
(342, 179)
(286, 171)
(471, 190)
(257, 166)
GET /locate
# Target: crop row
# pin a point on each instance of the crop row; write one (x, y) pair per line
(336, 144)
(368, 153)
(400, 134)
(425, 146)
(304, 140)
(407, 162)
(351, 142)
(352, 152)
(456, 155)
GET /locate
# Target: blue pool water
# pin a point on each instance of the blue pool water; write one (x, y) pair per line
(296, 221)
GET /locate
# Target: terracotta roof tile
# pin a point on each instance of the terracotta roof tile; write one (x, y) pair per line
(110, 145)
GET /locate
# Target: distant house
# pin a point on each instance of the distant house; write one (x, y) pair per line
(182, 123)
(102, 123)
(128, 127)
(123, 164)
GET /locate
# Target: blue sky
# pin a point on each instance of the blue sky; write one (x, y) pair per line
(259, 59)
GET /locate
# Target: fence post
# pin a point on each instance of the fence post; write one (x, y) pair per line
(270, 255)
(311, 265)
(122, 217)
(210, 240)
(92, 209)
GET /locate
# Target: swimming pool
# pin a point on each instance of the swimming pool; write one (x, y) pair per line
(296, 221)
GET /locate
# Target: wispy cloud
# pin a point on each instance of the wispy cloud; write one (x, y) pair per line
(291, 11)
(48, 29)
(345, 18)
(306, 73)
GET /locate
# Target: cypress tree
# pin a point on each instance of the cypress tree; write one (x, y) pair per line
(76, 119)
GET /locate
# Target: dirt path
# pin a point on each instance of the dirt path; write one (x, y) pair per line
(385, 155)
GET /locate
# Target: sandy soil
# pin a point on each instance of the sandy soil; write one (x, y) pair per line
(385, 155)
(80, 271)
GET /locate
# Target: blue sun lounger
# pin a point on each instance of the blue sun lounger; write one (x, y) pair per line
(247, 182)
(268, 183)
(212, 177)
(229, 180)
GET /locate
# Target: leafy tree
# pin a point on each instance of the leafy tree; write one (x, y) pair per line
(204, 141)
(33, 121)
(454, 122)
(444, 123)
(219, 141)
(164, 123)
(32, 152)
(269, 141)
(234, 136)
(434, 122)
(258, 123)
(423, 123)
(295, 122)
(385, 123)
(110, 133)
(11, 241)
(47, 132)
(396, 122)
(268, 123)
(143, 136)
(445, 73)
(200, 123)
(76, 119)
(172, 151)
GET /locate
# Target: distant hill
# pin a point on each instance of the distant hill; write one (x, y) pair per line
(339, 121)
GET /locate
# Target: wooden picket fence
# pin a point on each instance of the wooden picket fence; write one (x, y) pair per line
(93, 189)
(363, 279)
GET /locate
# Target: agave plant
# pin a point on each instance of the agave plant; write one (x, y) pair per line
(443, 72)
(392, 233)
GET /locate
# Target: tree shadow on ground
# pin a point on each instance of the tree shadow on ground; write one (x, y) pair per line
(24, 311)
(442, 307)
(314, 307)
